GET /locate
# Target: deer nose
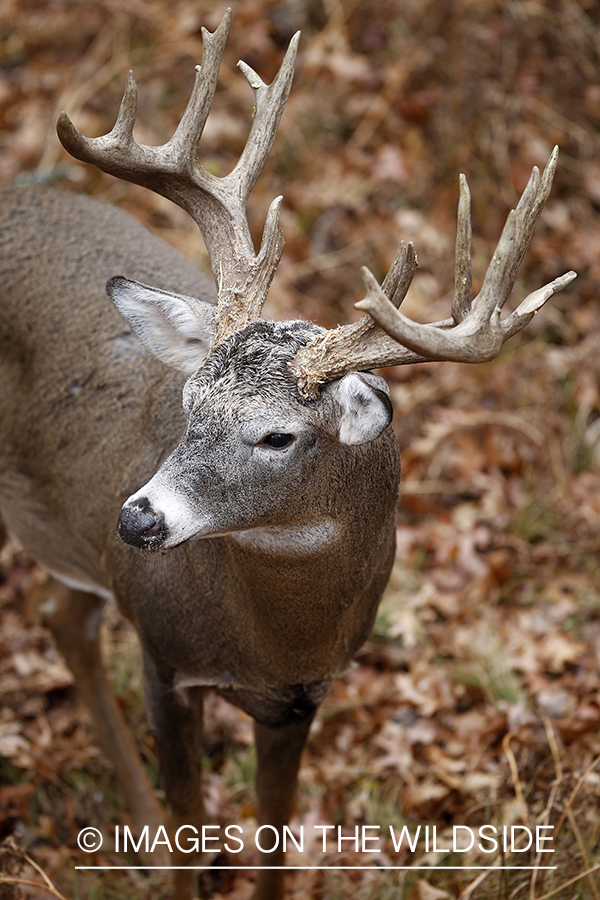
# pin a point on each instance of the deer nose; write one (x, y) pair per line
(142, 528)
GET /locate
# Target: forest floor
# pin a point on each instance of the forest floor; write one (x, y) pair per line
(477, 699)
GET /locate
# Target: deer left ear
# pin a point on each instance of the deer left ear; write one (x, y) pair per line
(364, 406)
(176, 328)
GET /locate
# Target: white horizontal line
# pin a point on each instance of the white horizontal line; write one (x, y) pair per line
(322, 868)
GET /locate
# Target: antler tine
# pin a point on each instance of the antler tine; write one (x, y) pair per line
(190, 128)
(270, 100)
(527, 309)
(401, 273)
(463, 279)
(218, 205)
(475, 333)
(123, 127)
(120, 138)
(515, 239)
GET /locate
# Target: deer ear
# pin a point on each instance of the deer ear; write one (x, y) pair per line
(176, 328)
(364, 405)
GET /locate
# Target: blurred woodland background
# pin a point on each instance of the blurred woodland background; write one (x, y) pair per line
(477, 700)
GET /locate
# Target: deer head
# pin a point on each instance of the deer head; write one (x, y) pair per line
(323, 384)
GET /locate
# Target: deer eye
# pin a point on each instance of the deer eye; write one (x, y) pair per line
(278, 441)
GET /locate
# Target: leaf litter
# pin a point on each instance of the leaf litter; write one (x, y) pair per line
(477, 699)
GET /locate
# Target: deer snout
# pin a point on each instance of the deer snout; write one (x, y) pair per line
(142, 527)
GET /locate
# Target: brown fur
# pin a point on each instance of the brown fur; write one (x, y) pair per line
(87, 417)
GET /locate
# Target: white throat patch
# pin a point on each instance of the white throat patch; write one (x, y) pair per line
(299, 540)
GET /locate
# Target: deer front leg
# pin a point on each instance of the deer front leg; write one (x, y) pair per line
(278, 752)
(74, 619)
(176, 720)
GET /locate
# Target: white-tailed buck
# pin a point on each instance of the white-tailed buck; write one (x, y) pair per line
(256, 528)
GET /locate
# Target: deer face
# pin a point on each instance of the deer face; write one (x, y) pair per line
(256, 457)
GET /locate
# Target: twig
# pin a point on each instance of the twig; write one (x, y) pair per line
(477, 881)
(47, 887)
(566, 884)
(552, 743)
(38, 869)
(574, 793)
(512, 762)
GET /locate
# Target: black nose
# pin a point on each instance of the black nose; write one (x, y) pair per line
(142, 529)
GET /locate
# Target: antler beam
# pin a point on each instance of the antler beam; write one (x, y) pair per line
(475, 333)
(218, 205)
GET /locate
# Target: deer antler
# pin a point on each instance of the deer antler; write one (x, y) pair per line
(475, 332)
(218, 205)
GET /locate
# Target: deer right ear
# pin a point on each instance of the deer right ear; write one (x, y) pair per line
(177, 329)
(364, 406)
